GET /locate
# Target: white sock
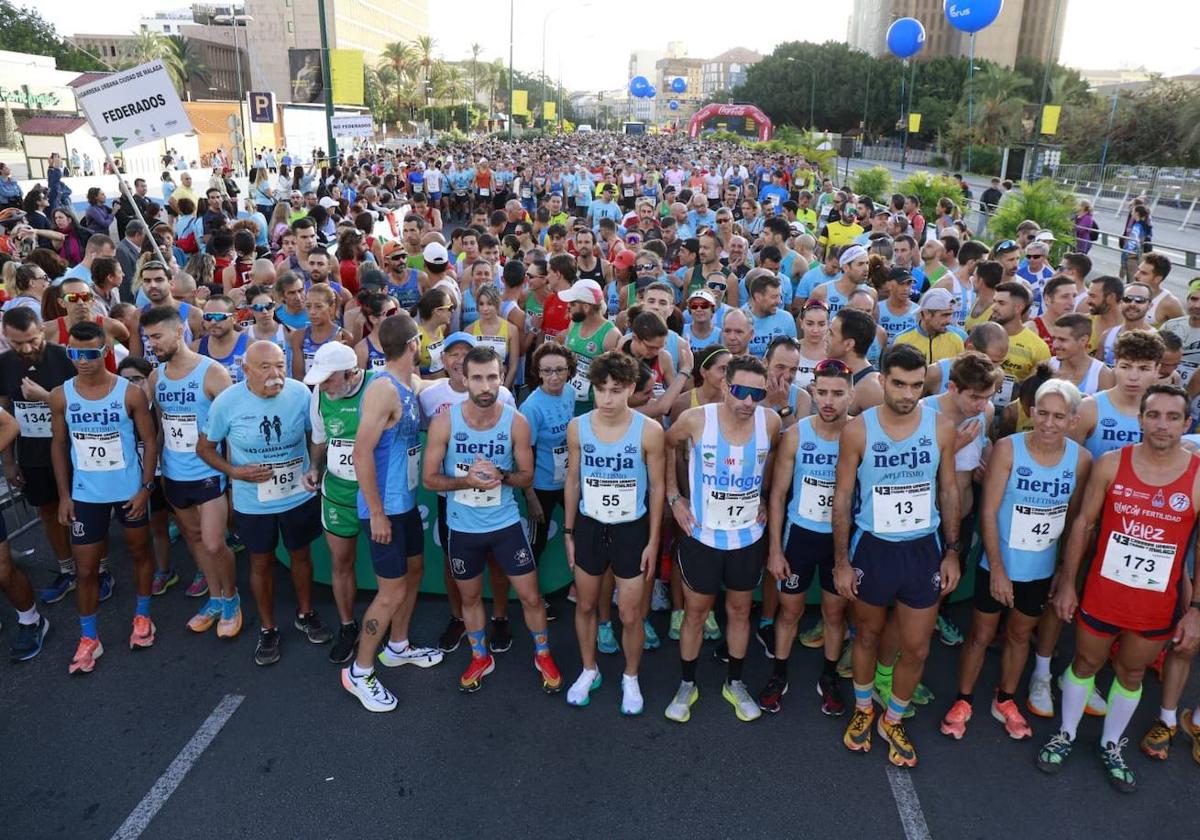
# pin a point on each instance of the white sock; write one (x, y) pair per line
(67, 566)
(359, 674)
(1041, 666)
(1167, 716)
(1122, 703)
(29, 616)
(1075, 694)
(398, 647)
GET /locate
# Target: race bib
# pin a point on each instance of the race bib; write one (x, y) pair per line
(180, 432)
(98, 452)
(484, 192)
(1138, 564)
(435, 357)
(340, 459)
(1036, 528)
(610, 500)
(727, 511)
(816, 499)
(899, 508)
(1004, 396)
(308, 361)
(418, 187)
(414, 467)
(460, 193)
(497, 342)
(560, 463)
(579, 382)
(284, 481)
(33, 418)
(472, 497)
(627, 192)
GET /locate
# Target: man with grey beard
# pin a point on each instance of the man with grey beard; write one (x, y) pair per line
(265, 422)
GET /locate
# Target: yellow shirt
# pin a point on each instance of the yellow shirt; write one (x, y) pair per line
(944, 346)
(498, 342)
(839, 234)
(975, 320)
(807, 217)
(1025, 351)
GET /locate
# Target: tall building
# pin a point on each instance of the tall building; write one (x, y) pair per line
(727, 70)
(1024, 29)
(665, 71)
(367, 25)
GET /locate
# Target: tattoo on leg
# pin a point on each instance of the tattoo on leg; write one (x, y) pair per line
(372, 626)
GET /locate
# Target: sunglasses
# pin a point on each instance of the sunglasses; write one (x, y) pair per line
(831, 366)
(396, 257)
(700, 304)
(817, 304)
(1006, 246)
(84, 354)
(78, 297)
(217, 316)
(262, 307)
(646, 267)
(444, 308)
(1135, 299)
(717, 287)
(389, 313)
(740, 392)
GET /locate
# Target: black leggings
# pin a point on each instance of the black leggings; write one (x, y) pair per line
(539, 533)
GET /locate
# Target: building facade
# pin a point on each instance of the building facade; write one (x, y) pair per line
(1024, 29)
(727, 70)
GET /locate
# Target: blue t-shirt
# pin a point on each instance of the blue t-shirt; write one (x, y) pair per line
(767, 328)
(262, 430)
(548, 417)
(812, 278)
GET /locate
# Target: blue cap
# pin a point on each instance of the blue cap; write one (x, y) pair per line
(456, 338)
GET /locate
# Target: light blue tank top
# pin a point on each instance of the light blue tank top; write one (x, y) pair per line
(183, 406)
(896, 324)
(397, 455)
(184, 309)
(726, 484)
(673, 347)
(548, 417)
(698, 344)
(811, 505)
(480, 511)
(1113, 429)
(1033, 511)
(309, 346)
(470, 312)
(612, 476)
(104, 456)
(896, 498)
(836, 300)
(874, 352)
(234, 361)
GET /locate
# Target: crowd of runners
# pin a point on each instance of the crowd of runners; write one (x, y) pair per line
(724, 374)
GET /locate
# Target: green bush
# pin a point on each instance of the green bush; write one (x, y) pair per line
(929, 188)
(985, 160)
(1043, 202)
(875, 182)
(939, 162)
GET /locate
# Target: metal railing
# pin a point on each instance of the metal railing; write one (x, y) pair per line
(892, 154)
(1174, 187)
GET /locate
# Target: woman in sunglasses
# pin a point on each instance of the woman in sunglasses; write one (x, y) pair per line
(714, 360)
(320, 304)
(434, 310)
(263, 327)
(376, 307)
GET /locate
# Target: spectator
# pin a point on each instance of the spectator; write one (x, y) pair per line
(98, 218)
(10, 190)
(74, 237)
(128, 251)
(1086, 231)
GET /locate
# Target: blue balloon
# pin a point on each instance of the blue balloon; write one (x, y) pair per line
(905, 37)
(638, 85)
(651, 92)
(972, 15)
(674, 104)
(679, 84)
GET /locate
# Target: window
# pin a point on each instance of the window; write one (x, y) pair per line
(291, 26)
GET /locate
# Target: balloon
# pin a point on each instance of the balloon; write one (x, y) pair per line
(905, 37)
(678, 84)
(972, 15)
(651, 92)
(638, 85)
(674, 104)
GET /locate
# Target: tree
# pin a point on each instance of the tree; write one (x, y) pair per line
(424, 47)
(400, 60)
(185, 56)
(476, 49)
(25, 31)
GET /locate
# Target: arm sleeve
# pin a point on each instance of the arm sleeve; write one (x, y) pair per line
(314, 417)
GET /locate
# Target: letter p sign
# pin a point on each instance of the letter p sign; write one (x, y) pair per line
(262, 106)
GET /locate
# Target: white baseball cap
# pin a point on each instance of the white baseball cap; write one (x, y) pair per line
(436, 253)
(583, 291)
(330, 358)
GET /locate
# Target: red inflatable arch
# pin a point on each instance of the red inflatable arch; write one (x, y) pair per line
(714, 111)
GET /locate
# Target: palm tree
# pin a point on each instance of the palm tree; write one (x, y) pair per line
(998, 103)
(184, 52)
(476, 49)
(424, 46)
(400, 59)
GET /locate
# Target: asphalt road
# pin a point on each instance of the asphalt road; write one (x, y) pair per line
(300, 758)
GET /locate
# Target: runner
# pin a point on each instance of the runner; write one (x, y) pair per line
(223, 341)
(614, 508)
(28, 373)
(768, 319)
(158, 286)
(901, 453)
(548, 408)
(96, 422)
(850, 338)
(1069, 337)
(806, 465)
(31, 625)
(729, 454)
(1140, 508)
(376, 307)
(1032, 488)
(386, 456)
(321, 306)
(265, 421)
(1135, 303)
(184, 386)
(477, 452)
(77, 299)
(854, 264)
(589, 335)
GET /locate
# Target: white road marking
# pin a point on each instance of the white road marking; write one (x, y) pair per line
(152, 803)
(908, 804)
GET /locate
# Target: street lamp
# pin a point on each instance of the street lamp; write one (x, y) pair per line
(812, 92)
(235, 21)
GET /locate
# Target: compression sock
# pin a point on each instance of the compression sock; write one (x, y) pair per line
(143, 606)
(765, 622)
(1003, 697)
(688, 669)
(895, 710)
(1041, 666)
(829, 669)
(541, 642)
(478, 646)
(1075, 693)
(735, 667)
(1122, 703)
(883, 673)
(87, 626)
(781, 668)
(862, 697)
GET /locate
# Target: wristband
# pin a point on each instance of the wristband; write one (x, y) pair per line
(1195, 605)
(673, 499)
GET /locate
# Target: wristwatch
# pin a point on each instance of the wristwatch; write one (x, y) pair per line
(149, 486)
(786, 411)
(568, 531)
(955, 546)
(672, 499)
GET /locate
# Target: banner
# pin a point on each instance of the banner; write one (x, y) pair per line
(548, 111)
(914, 122)
(520, 103)
(262, 106)
(308, 85)
(1050, 116)
(346, 76)
(133, 107)
(353, 125)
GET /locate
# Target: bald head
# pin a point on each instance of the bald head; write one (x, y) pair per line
(990, 339)
(265, 369)
(737, 331)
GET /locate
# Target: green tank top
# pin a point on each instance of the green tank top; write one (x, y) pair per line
(340, 418)
(585, 349)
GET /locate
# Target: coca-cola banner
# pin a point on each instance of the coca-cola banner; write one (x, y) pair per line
(740, 119)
